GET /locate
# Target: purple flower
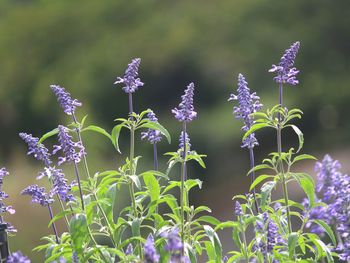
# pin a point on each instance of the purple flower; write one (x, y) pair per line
(186, 112)
(248, 103)
(3, 195)
(238, 209)
(185, 142)
(68, 147)
(130, 79)
(174, 246)
(285, 71)
(150, 252)
(38, 195)
(75, 258)
(39, 151)
(17, 257)
(153, 136)
(129, 250)
(65, 100)
(60, 183)
(272, 235)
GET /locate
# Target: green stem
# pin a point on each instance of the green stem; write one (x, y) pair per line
(245, 250)
(279, 148)
(131, 160)
(182, 190)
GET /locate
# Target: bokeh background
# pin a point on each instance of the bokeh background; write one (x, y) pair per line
(85, 45)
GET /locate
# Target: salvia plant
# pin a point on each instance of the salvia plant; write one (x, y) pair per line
(159, 223)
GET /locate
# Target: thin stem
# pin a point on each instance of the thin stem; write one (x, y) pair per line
(279, 148)
(65, 216)
(53, 224)
(155, 157)
(79, 185)
(81, 141)
(244, 240)
(252, 177)
(182, 189)
(131, 159)
(131, 109)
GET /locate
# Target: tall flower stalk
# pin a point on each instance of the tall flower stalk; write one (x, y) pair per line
(185, 114)
(285, 74)
(39, 196)
(248, 103)
(153, 137)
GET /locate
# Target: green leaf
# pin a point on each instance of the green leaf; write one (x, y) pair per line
(78, 229)
(48, 135)
(254, 128)
(214, 239)
(153, 186)
(97, 129)
(328, 230)
(307, 184)
(300, 137)
(259, 167)
(115, 136)
(301, 243)
(189, 184)
(136, 180)
(259, 179)
(303, 157)
(292, 242)
(266, 192)
(208, 219)
(325, 249)
(156, 126)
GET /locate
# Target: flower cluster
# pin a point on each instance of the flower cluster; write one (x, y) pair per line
(333, 189)
(130, 79)
(17, 257)
(184, 141)
(68, 147)
(38, 195)
(238, 209)
(186, 112)
(286, 73)
(60, 183)
(153, 136)
(248, 103)
(65, 100)
(174, 246)
(150, 252)
(3, 195)
(39, 151)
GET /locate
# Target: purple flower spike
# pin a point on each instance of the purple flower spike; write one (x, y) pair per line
(153, 136)
(238, 209)
(38, 195)
(248, 103)
(130, 79)
(3, 195)
(65, 100)
(286, 73)
(39, 151)
(129, 250)
(150, 252)
(186, 142)
(17, 257)
(185, 112)
(174, 246)
(60, 183)
(68, 147)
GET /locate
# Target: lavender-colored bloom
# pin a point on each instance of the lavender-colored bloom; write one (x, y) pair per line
(38, 195)
(173, 240)
(17, 257)
(39, 151)
(129, 250)
(248, 103)
(153, 136)
(286, 73)
(238, 209)
(150, 252)
(75, 258)
(183, 142)
(65, 100)
(60, 183)
(272, 235)
(185, 112)
(68, 147)
(130, 79)
(3, 195)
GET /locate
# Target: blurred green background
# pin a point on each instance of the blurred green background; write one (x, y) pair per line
(85, 45)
